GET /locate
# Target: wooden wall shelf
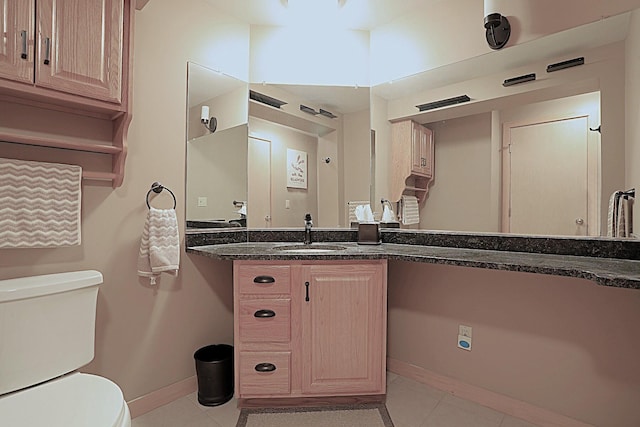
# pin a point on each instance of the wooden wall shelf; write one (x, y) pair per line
(51, 113)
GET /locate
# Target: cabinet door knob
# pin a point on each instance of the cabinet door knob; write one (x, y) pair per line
(23, 36)
(262, 314)
(265, 367)
(263, 279)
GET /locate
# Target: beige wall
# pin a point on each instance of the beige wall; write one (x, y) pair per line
(562, 344)
(218, 171)
(632, 158)
(382, 128)
(301, 201)
(146, 336)
(459, 196)
(356, 146)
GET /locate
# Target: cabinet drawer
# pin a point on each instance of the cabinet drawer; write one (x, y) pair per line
(265, 373)
(264, 279)
(265, 320)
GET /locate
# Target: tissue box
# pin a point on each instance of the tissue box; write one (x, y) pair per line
(369, 234)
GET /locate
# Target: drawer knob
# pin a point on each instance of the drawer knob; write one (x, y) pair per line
(263, 279)
(265, 367)
(262, 314)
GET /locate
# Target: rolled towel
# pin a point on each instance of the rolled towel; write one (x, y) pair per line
(160, 244)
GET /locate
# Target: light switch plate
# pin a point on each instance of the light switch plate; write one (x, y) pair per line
(202, 202)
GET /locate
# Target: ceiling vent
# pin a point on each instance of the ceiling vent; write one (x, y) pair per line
(565, 64)
(264, 99)
(443, 103)
(520, 79)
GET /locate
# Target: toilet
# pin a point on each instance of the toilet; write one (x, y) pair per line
(47, 332)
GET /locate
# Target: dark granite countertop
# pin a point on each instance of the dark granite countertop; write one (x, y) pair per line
(622, 273)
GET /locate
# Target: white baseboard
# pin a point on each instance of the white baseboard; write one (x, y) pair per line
(510, 406)
(168, 394)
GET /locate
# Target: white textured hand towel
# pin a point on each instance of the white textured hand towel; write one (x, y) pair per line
(410, 210)
(612, 217)
(621, 221)
(160, 244)
(40, 204)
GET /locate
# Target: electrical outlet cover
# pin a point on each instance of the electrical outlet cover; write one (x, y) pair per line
(464, 342)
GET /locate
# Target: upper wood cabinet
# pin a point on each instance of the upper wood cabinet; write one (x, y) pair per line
(17, 29)
(421, 150)
(67, 63)
(412, 159)
(79, 47)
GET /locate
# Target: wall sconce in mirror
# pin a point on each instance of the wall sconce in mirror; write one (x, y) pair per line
(497, 26)
(210, 123)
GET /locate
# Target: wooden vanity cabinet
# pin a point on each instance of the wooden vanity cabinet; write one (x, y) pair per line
(343, 329)
(309, 330)
(412, 159)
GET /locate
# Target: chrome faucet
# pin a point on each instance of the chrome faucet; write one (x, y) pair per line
(308, 223)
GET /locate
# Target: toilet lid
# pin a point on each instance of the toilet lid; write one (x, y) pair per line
(75, 400)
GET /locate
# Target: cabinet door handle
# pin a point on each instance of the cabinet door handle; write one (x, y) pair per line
(262, 314)
(47, 50)
(263, 279)
(306, 285)
(265, 367)
(23, 36)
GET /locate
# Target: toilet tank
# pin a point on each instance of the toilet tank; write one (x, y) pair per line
(47, 326)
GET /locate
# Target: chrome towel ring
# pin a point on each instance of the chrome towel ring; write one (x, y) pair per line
(157, 188)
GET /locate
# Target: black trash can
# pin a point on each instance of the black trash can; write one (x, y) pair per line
(214, 369)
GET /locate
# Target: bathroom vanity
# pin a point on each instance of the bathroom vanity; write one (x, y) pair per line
(331, 349)
(309, 331)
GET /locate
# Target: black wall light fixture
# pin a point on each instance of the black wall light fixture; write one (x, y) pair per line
(211, 123)
(497, 26)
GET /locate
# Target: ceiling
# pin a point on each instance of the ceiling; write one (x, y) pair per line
(357, 14)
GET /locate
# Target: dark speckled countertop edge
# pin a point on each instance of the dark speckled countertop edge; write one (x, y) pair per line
(620, 273)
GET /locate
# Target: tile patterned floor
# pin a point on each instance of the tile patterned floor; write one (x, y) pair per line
(410, 404)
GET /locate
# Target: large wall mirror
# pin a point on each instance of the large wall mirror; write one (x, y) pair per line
(540, 158)
(278, 152)
(216, 149)
(283, 150)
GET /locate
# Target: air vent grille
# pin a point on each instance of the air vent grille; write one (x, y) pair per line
(443, 103)
(265, 99)
(565, 64)
(519, 79)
